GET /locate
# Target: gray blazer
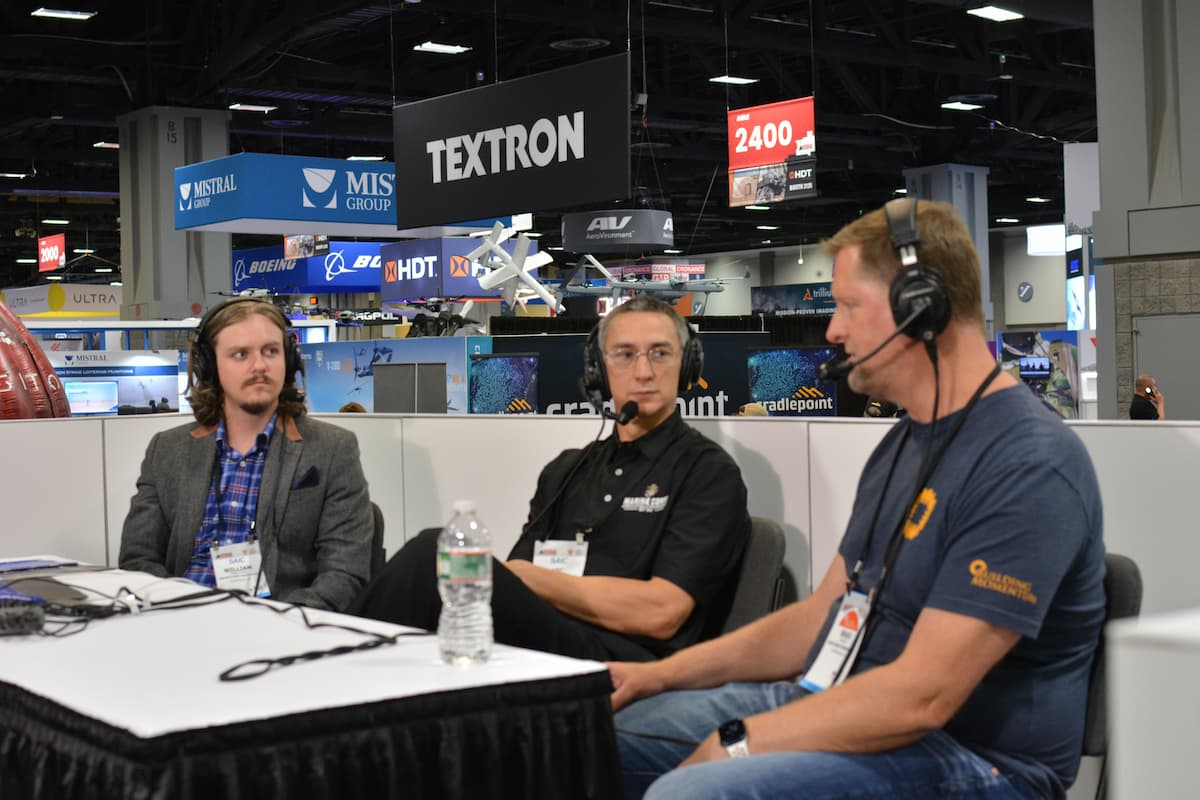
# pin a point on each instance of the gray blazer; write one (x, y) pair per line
(313, 521)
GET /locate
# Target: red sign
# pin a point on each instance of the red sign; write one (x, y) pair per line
(770, 134)
(52, 252)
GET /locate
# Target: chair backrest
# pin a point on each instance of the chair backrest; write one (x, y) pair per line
(759, 585)
(378, 554)
(1123, 598)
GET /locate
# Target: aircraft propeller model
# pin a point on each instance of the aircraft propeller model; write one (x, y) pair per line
(669, 290)
(513, 272)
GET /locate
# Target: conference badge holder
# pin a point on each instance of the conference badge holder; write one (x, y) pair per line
(561, 555)
(840, 649)
(238, 568)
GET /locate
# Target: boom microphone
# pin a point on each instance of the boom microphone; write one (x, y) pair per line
(840, 365)
(628, 412)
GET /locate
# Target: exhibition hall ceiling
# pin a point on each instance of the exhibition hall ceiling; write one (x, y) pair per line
(879, 70)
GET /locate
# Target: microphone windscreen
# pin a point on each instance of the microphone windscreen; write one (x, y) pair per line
(628, 412)
(835, 369)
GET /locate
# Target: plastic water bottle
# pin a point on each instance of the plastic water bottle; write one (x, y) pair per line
(465, 585)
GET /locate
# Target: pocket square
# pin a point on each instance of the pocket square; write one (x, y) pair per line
(310, 478)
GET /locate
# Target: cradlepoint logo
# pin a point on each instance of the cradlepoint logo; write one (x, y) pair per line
(185, 196)
(320, 183)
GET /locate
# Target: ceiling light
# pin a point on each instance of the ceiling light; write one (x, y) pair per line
(1037, 199)
(532, 235)
(56, 222)
(757, 208)
(732, 79)
(27, 261)
(107, 145)
(580, 43)
(900, 191)
(62, 13)
(767, 227)
(17, 175)
(115, 283)
(672, 252)
(252, 107)
(1007, 219)
(995, 14)
(766, 241)
(103, 269)
(85, 251)
(364, 158)
(553, 248)
(444, 49)
(54, 277)
(957, 105)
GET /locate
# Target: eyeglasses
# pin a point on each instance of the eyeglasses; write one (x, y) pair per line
(625, 359)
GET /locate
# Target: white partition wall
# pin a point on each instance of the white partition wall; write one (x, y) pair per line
(52, 488)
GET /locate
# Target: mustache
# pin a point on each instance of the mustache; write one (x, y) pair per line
(258, 379)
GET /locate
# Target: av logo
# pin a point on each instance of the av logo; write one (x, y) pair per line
(389, 272)
(460, 267)
(240, 275)
(669, 226)
(185, 196)
(608, 223)
(318, 191)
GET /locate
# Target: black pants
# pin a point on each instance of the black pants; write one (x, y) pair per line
(406, 593)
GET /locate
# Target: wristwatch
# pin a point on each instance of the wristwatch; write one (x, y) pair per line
(733, 738)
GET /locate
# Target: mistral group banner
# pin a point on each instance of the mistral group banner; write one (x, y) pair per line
(560, 138)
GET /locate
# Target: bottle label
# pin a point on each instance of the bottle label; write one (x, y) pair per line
(464, 565)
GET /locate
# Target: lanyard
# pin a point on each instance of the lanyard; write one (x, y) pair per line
(897, 540)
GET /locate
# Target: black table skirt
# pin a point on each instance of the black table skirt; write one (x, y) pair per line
(540, 739)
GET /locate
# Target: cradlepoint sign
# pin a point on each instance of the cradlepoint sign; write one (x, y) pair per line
(556, 139)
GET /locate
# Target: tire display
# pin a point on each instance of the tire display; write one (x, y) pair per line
(29, 386)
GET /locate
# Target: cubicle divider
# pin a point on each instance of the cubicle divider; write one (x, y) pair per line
(67, 483)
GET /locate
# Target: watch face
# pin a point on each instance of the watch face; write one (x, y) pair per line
(731, 732)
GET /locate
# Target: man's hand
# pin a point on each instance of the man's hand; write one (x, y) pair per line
(709, 750)
(633, 681)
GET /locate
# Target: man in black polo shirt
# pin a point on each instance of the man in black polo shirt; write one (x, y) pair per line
(661, 507)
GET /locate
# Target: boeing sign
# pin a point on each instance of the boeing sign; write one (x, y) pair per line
(347, 267)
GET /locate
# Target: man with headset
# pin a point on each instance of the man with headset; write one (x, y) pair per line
(254, 496)
(946, 652)
(655, 513)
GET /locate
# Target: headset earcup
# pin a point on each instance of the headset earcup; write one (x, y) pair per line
(595, 378)
(920, 284)
(692, 363)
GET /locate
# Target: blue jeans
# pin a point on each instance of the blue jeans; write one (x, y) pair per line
(656, 734)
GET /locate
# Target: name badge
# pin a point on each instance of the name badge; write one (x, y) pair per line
(561, 555)
(238, 568)
(840, 649)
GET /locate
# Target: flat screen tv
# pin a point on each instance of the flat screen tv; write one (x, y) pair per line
(91, 397)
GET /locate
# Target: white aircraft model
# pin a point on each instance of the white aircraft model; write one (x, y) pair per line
(514, 269)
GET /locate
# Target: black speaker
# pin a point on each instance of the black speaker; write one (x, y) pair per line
(917, 291)
(203, 360)
(595, 376)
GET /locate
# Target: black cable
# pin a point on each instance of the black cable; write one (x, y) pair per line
(566, 481)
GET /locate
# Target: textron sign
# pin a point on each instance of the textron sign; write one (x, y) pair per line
(347, 267)
(556, 139)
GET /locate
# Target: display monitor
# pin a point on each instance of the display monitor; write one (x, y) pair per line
(1034, 366)
(91, 397)
(503, 383)
(784, 380)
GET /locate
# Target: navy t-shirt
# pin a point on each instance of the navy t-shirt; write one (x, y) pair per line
(1007, 530)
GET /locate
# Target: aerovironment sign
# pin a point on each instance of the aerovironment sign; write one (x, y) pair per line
(556, 139)
(618, 231)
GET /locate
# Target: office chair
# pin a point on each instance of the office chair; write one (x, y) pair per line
(759, 587)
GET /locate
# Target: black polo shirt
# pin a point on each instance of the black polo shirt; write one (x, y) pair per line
(671, 505)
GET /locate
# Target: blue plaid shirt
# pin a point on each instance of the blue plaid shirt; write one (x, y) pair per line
(232, 503)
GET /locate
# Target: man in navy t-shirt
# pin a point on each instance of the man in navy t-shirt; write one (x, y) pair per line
(947, 650)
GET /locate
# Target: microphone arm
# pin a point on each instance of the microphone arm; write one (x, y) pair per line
(628, 412)
(840, 366)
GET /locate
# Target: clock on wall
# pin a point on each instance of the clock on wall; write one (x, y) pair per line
(1025, 291)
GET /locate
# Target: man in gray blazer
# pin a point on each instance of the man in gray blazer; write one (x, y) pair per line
(254, 495)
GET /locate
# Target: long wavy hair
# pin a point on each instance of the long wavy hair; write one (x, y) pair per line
(204, 391)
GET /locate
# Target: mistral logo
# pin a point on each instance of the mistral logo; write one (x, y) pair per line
(200, 193)
(243, 271)
(363, 190)
(335, 264)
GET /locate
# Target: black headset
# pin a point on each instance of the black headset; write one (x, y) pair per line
(595, 377)
(917, 290)
(203, 360)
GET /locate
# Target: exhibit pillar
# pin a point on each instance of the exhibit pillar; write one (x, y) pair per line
(168, 274)
(965, 188)
(1148, 225)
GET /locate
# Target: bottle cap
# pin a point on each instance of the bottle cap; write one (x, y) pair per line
(464, 506)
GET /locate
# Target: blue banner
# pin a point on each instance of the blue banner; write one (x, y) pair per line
(266, 193)
(796, 299)
(347, 267)
(435, 268)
